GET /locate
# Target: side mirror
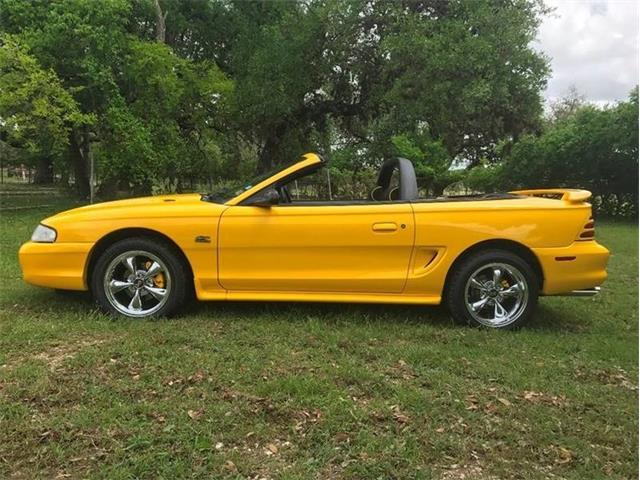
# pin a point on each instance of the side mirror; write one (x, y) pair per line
(265, 198)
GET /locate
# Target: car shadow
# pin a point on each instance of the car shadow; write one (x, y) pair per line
(550, 319)
(330, 313)
(546, 318)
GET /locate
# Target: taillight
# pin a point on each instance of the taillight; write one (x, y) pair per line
(588, 231)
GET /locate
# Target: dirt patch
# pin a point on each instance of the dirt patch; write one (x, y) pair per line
(56, 356)
(466, 472)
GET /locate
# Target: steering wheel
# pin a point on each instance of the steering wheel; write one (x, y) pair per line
(284, 193)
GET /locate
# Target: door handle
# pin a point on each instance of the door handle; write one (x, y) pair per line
(385, 227)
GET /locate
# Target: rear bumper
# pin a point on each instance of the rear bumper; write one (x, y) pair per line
(55, 265)
(573, 270)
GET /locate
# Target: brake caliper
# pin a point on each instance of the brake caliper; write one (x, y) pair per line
(158, 280)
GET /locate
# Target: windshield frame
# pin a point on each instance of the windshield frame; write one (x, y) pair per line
(261, 181)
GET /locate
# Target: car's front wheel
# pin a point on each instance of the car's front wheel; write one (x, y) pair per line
(139, 277)
(493, 288)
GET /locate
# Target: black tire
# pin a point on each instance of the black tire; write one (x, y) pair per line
(456, 289)
(178, 276)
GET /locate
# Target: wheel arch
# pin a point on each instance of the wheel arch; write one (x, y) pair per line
(124, 233)
(512, 246)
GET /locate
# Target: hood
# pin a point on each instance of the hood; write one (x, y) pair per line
(182, 205)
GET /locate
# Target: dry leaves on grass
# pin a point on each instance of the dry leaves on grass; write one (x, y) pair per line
(543, 398)
(615, 376)
(274, 447)
(621, 380)
(195, 414)
(270, 449)
(398, 415)
(230, 394)
(402, 371)
(465, 472)
(562, 455)
(566, 455)
(197, 377)
(230, 466)
(305, 419)
(472, 402)
(158, 418)
(193, 379)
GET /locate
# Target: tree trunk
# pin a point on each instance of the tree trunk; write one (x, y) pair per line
(64, 178)
(161, 26)
(79, 166)
(87, 156)
(44, 171)
(271, 149)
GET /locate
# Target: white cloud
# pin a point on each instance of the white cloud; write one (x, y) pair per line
(592, 45)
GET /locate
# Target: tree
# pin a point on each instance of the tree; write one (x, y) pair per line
(155, 112)
(36, 112)
(82, 42)
(430, 159)
(166, 123)
(466, 71)
(371, 69)
(591, 148)
(177, 88)
(567, 105)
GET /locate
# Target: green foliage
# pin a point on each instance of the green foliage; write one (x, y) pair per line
(158, 115)
(239, 86)
(431, 161)
(36, 112)
(165, 123)
(352, 176)
(466, 70)
(486, 178)
(592, 148)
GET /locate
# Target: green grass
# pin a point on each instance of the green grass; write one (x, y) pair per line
(314, 391)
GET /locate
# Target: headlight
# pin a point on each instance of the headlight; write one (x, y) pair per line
(44, 234)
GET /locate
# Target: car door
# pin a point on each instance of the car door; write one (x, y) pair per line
(359, 247)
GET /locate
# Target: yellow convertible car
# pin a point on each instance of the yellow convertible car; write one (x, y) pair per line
(488, 257)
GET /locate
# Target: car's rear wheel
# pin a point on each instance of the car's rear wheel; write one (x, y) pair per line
(493, 288)
(139, 278)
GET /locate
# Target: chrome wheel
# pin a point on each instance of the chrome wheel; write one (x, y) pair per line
(137, 283)
(496, 294)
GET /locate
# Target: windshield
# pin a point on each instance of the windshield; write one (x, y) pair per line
(226, 193)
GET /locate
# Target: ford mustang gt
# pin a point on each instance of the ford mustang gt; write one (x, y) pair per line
(487, 257)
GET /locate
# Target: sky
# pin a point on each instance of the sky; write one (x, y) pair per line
(592, 45)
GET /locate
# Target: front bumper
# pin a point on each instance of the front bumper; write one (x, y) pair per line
(55, 265)
(579, 267)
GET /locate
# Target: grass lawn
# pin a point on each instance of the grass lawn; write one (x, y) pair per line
(314, 391)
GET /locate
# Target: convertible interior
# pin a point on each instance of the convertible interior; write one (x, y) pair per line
(396, 182)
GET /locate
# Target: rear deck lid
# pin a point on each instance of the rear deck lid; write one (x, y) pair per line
(569, 195)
